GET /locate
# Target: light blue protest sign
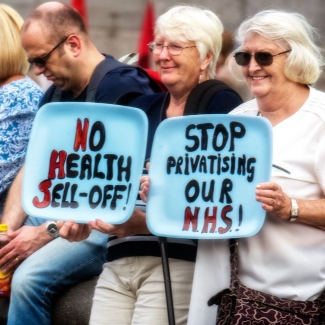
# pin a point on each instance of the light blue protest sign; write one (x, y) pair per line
(203, 173)
(84, 161)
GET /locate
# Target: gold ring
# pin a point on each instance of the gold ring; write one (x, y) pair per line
(17, 259)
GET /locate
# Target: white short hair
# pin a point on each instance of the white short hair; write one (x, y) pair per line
(291, 31)
(192, 23)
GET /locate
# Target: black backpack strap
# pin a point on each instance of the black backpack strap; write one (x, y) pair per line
(99, 73)
(102, 69)
(200, 97)
(56, 95)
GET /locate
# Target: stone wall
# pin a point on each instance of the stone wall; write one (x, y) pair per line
(114, 25)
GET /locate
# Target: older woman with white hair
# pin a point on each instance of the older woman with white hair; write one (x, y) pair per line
(281, 278)
(131, 288)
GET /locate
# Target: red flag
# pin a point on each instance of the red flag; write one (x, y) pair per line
(146, 36)
(81, 7)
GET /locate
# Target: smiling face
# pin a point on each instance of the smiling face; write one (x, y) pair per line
(180, 73)
(265, 81)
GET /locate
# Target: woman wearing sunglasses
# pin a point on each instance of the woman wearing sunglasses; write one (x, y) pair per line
(280, 61)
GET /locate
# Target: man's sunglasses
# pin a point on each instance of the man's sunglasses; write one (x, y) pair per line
(262, 58)
(40, 62)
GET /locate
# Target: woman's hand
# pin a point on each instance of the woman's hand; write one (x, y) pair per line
(277, 203)
(274, 200)
(144, 188)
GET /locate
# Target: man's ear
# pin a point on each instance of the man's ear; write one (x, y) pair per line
(74, 44)
(206, 61)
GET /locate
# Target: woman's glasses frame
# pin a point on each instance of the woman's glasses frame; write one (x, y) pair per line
(173, 49)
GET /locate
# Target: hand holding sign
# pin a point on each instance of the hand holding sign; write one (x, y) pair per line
(136, 224)
(203, 174)
(84, 161)
(74, 231)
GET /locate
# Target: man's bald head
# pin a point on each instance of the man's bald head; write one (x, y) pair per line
(57, 20)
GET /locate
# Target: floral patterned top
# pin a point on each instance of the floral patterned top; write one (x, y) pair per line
(19, 102)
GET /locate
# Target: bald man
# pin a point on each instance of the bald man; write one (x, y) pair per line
(58, 46)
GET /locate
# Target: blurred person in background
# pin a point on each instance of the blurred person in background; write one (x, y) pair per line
(225, 74)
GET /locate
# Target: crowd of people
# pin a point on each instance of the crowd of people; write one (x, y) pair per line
(277, 54)
(58, 46)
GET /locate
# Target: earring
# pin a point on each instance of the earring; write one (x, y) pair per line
(200, 78)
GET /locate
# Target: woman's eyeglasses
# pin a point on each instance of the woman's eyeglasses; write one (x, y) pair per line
(262, 58)
(156, 48)
(40, 62)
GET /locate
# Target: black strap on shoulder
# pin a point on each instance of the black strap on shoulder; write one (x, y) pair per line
(99, 73)
(101, 70)
(56, 95)
(200, 97)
